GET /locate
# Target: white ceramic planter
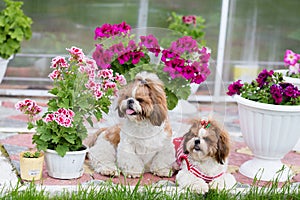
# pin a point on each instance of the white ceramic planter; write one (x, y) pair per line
(68, 167)
(270, 131)
(296, 82)
(3, 67)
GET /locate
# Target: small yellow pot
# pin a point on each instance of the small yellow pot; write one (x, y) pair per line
(31, 168)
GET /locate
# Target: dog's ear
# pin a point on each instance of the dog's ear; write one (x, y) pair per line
(223, 146)
(121, 114)
(158, 97)
(158, 115)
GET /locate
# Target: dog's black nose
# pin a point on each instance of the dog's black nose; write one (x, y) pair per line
(130, 101)
(197, 141)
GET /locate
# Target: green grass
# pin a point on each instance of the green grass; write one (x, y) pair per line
(108, 190)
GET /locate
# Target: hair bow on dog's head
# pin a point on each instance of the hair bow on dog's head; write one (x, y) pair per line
(205, 123)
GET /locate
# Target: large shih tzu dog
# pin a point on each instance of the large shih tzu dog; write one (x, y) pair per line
(143, 141)
(202, 154)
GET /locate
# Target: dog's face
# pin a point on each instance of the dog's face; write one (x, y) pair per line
(144, 99)
(206, 139)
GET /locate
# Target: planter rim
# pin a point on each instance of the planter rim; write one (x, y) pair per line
(70, 152)
(22, 153)
(265, 106)
(287, 78)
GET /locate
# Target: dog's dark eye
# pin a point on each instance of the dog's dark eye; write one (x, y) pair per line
(207, 139)
(140, 100)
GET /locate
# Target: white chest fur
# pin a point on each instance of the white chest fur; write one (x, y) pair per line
(142, 138)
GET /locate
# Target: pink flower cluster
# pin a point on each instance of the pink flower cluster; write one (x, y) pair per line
(108, 82)
(130, 53)
(63, 117)
(292, 60)
(108, 30)
(99, 81)
(189, 19)
(29, 107)
(194, 69)
(183, 59)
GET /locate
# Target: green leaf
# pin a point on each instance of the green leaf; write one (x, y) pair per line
(172, 100)
(61, 150)
(89, 120)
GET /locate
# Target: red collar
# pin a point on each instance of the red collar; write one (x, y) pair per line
(180, 155)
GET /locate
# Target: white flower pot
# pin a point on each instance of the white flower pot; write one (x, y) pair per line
(3, 67)
(296, 82)
(68, 167)
(270, 131)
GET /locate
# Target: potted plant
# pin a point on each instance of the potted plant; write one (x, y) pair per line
(15, 26)
(31, 165)
(81, 93)
(180, 63)
(269, 114)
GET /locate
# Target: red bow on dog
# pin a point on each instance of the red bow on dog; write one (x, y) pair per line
(205, 123)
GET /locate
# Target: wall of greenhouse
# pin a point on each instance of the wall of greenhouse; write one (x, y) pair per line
(245, 36)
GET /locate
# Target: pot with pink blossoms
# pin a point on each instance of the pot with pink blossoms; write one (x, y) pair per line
(179, 61)
(81, 93)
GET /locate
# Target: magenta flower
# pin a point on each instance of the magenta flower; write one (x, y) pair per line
(104, 31)
(189, 19)
(263, 77)
(136, 56)
(131, 46)
(276, 92)
(291, 58)
(102, 57)
(117, 48)
(125, 57)
(123, 28)
(188, 72)
(151, 43)
(108, 30)
(166, 55)
(234, 88)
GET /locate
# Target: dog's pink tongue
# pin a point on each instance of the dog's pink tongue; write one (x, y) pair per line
(129, 111)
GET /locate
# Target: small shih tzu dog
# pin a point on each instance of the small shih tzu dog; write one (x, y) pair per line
(202, 154)
(143, 141)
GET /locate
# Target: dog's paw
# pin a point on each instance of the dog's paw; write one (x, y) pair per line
(166, 172)
(131, 174)
(107, 171)
(200, 188)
